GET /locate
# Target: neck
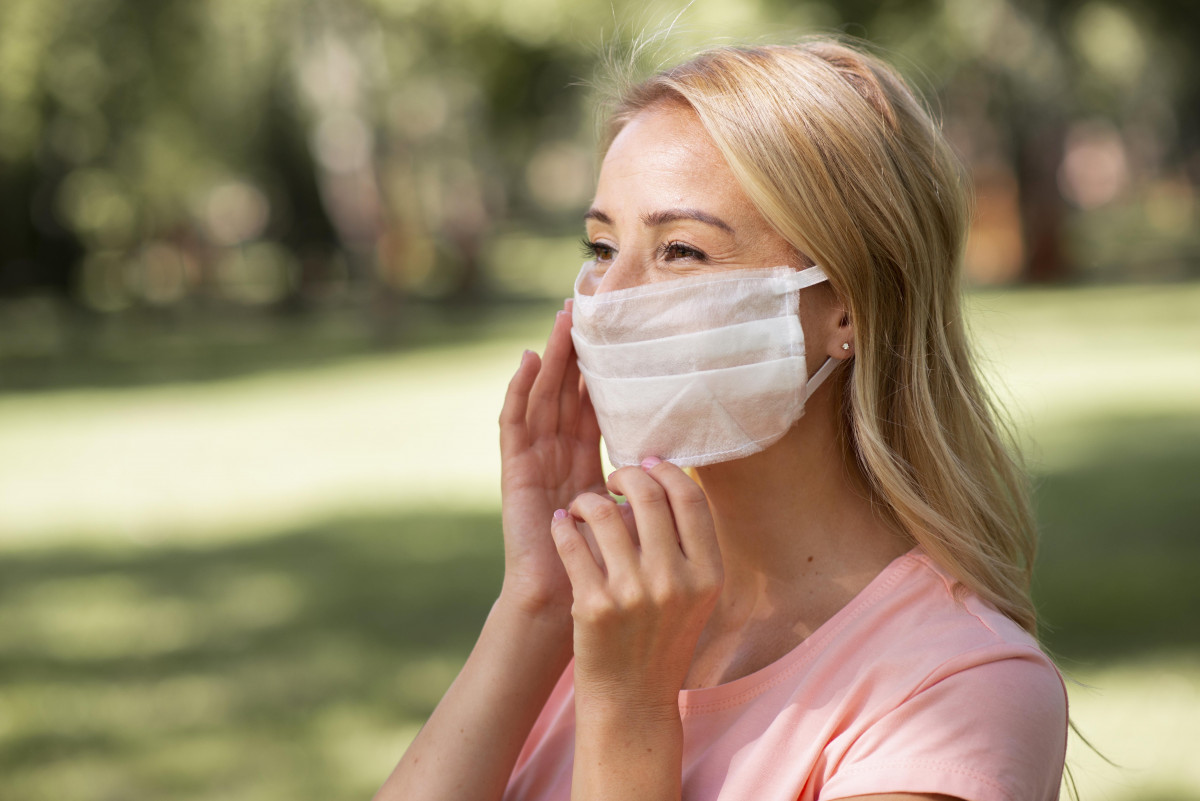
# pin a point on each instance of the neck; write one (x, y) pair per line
(796, 525)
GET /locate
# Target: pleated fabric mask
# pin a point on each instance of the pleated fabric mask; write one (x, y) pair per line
(695, 370)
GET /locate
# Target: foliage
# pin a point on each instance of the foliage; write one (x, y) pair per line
(289, 154)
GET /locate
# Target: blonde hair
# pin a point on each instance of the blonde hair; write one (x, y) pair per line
(844, 161)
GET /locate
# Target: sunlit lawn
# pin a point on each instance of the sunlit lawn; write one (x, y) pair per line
(257, 585)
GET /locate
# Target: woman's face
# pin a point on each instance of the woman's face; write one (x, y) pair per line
(667, 205)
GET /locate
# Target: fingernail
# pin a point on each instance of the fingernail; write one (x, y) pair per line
(560, 514)
(650, 461)
(525, 355)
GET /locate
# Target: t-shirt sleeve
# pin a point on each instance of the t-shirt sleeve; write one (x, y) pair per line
(980, 731)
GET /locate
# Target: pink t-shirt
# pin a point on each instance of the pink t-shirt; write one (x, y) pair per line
(906, 689)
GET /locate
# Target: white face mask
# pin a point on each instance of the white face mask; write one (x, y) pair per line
(695, 370)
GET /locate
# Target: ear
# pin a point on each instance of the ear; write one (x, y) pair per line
(839, 342)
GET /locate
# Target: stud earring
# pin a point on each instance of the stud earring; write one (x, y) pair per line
(845, 346)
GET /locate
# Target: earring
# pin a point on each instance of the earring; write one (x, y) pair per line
(845, 346)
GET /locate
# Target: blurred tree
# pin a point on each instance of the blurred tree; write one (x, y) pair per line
(286, 153)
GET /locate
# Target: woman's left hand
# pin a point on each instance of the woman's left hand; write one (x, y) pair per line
(639, 608)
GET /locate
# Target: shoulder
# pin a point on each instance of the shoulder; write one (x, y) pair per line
(929, 639)
(962, 701)
(919, 618)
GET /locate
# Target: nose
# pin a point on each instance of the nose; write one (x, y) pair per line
(622, 272)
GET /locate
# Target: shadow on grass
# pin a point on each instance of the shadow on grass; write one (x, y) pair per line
(398, 585)
(296, 665)
(1121, 541)
(274, 656)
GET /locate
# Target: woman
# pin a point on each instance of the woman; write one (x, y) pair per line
(834, 603)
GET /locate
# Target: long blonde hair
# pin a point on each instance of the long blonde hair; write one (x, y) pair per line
(844, 161)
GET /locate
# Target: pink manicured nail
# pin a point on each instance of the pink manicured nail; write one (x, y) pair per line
(650, 461)
(560, 514)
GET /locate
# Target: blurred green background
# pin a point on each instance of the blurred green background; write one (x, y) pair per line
(267, 265)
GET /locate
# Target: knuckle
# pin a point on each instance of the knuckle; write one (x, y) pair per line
(567, 546)
(629, 595)
(664, 591)
(595, 609)
(581, 504)
(709, 583)
(602, 510)
(647, 494)
(692, 496)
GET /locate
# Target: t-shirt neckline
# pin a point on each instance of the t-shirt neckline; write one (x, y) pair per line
(723, 696)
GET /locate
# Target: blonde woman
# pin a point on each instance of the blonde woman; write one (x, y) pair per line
(834, 601)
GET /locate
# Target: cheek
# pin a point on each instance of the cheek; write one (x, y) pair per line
(813, 352)
(818, 318)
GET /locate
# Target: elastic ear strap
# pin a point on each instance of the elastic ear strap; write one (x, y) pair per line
(818, 377)
(809, 276)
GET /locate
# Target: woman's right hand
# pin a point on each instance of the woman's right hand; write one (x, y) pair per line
(549, 454)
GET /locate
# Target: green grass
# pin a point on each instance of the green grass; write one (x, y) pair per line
(253, 579)
(291, 666)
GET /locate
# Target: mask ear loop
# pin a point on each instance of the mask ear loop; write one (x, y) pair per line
(809, 276)
(823, 372)
(805, 278)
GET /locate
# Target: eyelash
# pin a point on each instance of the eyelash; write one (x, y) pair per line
(686, 251)
(592, 250)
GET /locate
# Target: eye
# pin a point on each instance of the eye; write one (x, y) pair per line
(596, 250)
(672, 251)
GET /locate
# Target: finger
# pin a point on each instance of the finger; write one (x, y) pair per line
(689, 505)
(568, 397)
(573, 550)
(543, 399)
(590, 539)
(586, 467)
(626, 512)
(651, 512)
(514, 435)
(612, 537)
(630, 523)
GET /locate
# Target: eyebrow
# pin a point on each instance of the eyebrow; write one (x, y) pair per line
(657, 218)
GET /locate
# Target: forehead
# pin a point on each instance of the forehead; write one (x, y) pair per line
(664, 156)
